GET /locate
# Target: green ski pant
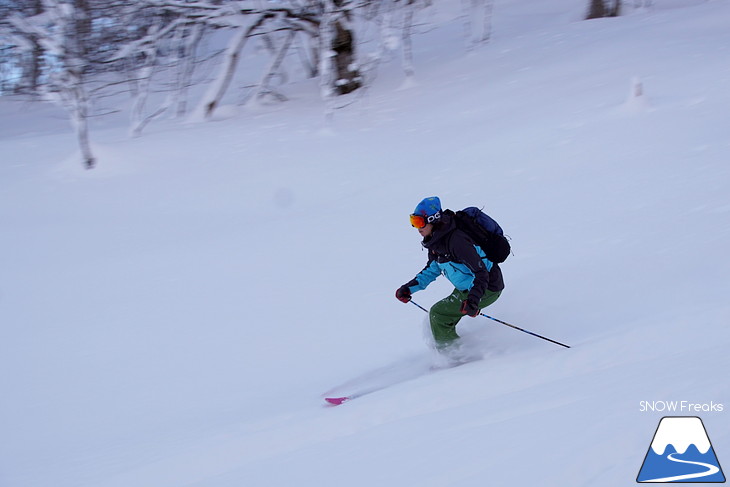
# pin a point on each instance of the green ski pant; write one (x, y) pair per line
(445, 314)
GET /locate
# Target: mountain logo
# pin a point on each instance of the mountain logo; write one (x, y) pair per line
(681, 452)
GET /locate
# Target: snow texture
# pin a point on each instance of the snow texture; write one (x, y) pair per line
(173, 317)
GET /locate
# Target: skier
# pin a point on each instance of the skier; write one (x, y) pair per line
(477, 281)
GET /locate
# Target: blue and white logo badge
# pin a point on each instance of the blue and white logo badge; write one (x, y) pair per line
(681, 452)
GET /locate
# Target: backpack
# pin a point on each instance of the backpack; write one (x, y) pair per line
(485, 232)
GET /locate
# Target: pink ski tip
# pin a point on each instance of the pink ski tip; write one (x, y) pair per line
(336, 400)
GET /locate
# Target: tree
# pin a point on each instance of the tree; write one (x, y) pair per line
(474, 33)
(603, 8)
(29, 56)
(83, 47)
(142, 55)
(62, 29)
(77, 39)
(342, 45)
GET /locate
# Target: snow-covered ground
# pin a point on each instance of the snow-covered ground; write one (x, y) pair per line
(173, 317)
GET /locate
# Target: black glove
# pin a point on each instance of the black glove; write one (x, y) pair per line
(470, 308)
(403, 294)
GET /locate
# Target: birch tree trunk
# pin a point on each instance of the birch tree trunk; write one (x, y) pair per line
(264, 86)
(80, 120)
(233, 54)
(487, 32)
(80, 32)
(603, 8)
(347, 75)
(407, 47)
(186, 67)
(144, 75)
(470, 14)
(326, 66)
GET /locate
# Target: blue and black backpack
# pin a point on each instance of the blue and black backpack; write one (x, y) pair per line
(485, 232)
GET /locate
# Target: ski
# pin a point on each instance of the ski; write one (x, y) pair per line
(336, 401)
(333, 400)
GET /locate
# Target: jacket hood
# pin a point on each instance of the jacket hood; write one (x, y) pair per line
(441, 230)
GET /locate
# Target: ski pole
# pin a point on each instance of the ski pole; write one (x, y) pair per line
(511, 326)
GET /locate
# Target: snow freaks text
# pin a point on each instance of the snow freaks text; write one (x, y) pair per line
(680, 407)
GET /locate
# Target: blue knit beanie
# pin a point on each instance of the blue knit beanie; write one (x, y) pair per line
(430, 206)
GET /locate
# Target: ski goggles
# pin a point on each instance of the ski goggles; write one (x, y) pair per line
(420, 221)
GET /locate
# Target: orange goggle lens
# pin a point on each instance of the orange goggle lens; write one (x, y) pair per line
(418, 221)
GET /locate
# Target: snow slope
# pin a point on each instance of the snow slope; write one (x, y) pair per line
(172, 318)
